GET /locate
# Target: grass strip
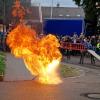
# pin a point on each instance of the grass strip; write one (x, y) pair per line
(2, 63)
(68, 71)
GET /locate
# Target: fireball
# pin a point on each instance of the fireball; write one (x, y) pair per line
(41, 56)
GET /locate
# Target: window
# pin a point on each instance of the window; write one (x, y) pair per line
(60, 15)
(67, 15)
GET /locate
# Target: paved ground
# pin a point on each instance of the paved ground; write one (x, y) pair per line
(15, 69)
(87, 62)
(70, 89)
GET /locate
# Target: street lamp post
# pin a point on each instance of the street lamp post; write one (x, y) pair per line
(51, 9)
(3, 16)
(3, 41)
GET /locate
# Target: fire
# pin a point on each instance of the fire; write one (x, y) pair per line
(41, 56)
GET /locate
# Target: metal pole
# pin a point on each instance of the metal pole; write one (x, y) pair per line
(51, 9)
(3, 41)
(41, 19)
(40, 13)
(3, 16)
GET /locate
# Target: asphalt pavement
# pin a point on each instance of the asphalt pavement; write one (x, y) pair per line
(18, 83)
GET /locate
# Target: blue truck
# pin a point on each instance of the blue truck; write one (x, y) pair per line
(63, 27)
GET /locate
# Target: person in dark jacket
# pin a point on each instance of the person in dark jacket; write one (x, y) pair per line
(93, 42)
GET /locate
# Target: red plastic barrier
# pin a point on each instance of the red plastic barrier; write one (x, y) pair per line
(72, 46)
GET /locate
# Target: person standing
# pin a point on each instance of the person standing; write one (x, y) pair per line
(75, 37)
(93, 42)
(98, 47)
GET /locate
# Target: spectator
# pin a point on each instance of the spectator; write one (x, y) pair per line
(98, 47)
(93, 42)
(75, 36)
(1, 40)
(87, 44)
(82, 36)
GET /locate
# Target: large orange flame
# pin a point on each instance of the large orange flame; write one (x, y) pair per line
(41, 56)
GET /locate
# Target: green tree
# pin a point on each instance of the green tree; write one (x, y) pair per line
(7, 4)
(90, 10)
(5, 8)
(1, 10)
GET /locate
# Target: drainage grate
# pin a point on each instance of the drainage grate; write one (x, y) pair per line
(95, 96)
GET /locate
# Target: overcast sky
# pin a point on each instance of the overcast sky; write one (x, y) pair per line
(65, 3)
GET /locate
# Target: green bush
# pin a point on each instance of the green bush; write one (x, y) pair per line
(2, 63)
